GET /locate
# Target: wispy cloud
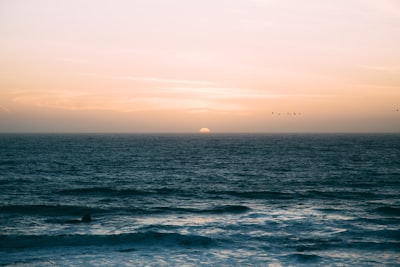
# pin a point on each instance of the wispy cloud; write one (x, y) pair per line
(72, 60)
(191, 99)
(389, 69)
(89, 74)
(162, 80)
(221, 93)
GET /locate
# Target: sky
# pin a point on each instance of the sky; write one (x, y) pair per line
(176, 66)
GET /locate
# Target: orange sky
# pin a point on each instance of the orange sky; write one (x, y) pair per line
(180, 65)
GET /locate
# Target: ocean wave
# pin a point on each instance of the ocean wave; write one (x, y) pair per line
(388, 211)
(213, 210)
(65, 210)
(257, 194)
(375, 246)
(9, 162)
(48, 210)
(305, 258)
(148, 238)
(103, 191)
(168, 210)
(229, 209)
(126, 192)
(288, 195)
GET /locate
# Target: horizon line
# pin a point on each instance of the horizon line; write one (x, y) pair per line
(195, 133)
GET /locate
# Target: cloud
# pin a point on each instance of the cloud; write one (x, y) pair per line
(389, 69)
(72, 60)
(221, 93)
(191, 99)
(161, 80)
(88, 74)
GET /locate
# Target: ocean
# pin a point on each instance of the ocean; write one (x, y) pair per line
(200, 199)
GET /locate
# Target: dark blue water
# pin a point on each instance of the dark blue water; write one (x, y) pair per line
(200, 200)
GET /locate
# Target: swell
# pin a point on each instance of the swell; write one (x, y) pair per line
(303, 258)
(388, 211)
(270, 195)
(107, 191)
(223, 209)
(148, 238)
(213, 210)
(310, 194)
(61, 210)
(48, 210)
(256, 194)
(103, 191)
(347, 195)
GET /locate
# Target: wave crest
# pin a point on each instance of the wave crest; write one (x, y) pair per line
(148, 238)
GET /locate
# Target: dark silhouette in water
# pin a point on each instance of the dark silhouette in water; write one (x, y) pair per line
(85, 219)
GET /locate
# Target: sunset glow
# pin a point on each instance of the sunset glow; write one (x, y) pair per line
(172, 66)
(204, 130)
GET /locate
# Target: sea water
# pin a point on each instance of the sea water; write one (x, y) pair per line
(200, 200)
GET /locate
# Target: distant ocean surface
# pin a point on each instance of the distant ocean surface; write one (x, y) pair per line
(200, 200)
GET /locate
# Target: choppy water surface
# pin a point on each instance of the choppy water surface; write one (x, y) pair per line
(200, 200)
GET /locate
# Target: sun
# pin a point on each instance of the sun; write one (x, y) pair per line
(204, 130)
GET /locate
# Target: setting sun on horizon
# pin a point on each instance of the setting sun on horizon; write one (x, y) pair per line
(205, 130)
(170, 66)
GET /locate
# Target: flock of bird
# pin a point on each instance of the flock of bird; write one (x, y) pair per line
(294, 113)
(287, 113)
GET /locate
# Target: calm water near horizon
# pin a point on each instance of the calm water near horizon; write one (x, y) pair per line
(200, 200)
